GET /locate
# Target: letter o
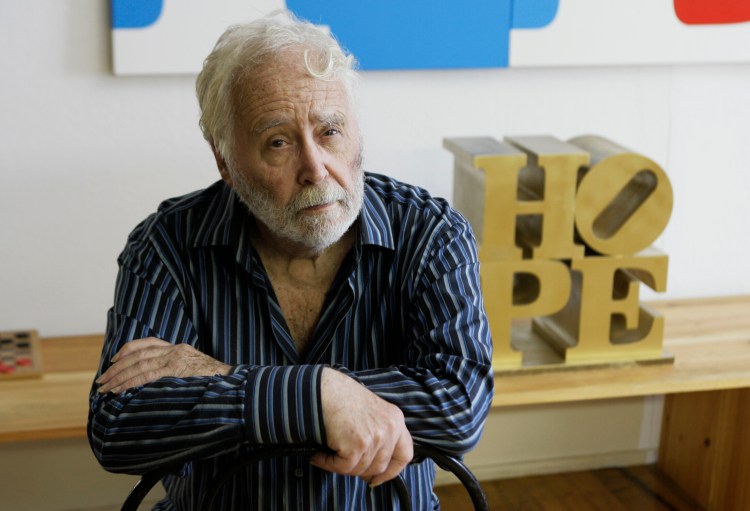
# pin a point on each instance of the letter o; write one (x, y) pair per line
(623, 204)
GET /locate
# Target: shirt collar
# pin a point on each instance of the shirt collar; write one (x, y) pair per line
(375, 225)
(220, 216)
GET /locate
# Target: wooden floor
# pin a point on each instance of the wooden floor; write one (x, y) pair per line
(614, 489)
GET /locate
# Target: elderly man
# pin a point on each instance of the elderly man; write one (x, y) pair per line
(299, 300)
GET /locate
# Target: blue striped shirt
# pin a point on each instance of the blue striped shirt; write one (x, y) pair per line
(404, 316)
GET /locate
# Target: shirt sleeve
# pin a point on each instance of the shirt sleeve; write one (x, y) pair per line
(445, 384)
(176, 419)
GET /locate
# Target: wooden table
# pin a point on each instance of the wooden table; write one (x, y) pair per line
(707, 410)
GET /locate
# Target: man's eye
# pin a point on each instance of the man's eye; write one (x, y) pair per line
(331, 132)
(277, 143)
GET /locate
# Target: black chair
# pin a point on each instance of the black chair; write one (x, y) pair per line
(446, 462)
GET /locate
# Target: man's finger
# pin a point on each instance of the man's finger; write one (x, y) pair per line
(135, 375)
(128, 360)
(332, 462)
(401, 457)
(377, 465)
(137, 345)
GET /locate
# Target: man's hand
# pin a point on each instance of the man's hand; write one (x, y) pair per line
(367, 434)
(146, 360)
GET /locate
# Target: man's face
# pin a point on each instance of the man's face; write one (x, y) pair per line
(297, 158)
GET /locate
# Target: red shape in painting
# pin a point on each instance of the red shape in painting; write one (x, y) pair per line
(710, 12)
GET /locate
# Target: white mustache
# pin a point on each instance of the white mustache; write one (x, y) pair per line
(316, 196)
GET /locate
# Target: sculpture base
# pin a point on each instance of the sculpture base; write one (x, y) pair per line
(540, 355)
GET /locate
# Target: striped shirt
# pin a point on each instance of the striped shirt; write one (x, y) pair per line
(404, 316)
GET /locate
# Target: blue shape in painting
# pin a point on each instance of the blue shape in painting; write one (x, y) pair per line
(533, 13)
(135, 13)
(424, 34)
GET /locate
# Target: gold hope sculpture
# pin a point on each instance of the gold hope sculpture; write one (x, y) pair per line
(565, 232)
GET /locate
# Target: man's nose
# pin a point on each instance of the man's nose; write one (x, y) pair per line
(312, 163)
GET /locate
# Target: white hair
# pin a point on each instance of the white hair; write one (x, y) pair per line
(243, 48)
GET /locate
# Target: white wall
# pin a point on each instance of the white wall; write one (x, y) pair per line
(84, 155)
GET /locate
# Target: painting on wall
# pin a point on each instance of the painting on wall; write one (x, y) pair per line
(174, 36)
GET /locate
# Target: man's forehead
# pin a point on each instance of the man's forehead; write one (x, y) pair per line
(316, 99)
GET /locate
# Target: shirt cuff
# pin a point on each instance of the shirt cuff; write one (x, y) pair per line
(283, 405)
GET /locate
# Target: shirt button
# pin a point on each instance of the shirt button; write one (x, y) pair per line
(298, 472)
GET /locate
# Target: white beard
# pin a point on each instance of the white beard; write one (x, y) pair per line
(318, 231)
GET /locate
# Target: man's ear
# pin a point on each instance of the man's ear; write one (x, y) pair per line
(221, 163)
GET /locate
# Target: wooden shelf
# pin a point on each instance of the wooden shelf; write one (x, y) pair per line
(709, 338)
(55, 405)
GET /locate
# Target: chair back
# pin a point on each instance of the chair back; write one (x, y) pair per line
(444, 461)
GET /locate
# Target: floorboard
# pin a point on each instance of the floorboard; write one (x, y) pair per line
(641, 488)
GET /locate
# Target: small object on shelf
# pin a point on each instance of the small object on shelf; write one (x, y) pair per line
(20, 356)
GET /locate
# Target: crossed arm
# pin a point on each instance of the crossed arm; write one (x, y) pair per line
(367, 435)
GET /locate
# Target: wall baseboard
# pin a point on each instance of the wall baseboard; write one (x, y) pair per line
(490, 471)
